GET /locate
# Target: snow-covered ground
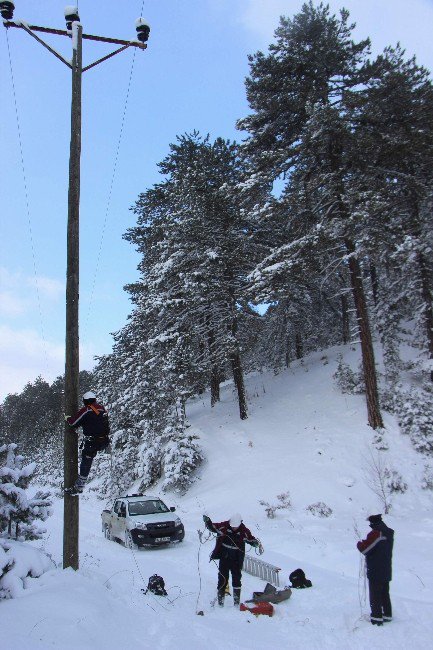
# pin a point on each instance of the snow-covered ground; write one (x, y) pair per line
(303, 437)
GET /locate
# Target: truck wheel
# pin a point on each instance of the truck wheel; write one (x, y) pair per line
(107, 533)
(128, 540)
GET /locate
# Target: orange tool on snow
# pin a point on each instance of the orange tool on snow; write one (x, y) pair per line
(260, 608)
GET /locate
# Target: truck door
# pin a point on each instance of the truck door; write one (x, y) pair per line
(115, 520)
(122, 520)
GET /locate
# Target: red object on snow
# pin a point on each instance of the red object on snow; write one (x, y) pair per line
(259, 608)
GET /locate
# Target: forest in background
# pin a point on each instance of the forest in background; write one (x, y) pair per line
(322, 214)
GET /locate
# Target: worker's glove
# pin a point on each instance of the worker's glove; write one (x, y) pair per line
(256, 543)
(207, 520)
(66, 417)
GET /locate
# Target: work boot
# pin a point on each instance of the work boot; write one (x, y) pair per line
(236, 596)
(80, 483)
(221, 599)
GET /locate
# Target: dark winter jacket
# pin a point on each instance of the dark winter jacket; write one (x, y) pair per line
(377, 548)
(230, 543)
(94, 420)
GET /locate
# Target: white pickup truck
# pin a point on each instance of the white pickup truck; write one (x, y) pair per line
(141, 520)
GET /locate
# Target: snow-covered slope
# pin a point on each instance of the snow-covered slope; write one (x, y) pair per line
(302, 437)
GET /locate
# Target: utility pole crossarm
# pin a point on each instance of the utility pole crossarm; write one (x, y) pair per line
(29, 29)
(104, 58)
(63, 32)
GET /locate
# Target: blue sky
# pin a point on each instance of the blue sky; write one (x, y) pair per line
(190, 77)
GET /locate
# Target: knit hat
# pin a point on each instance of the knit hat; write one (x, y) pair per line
(374, 519)
(235, 520)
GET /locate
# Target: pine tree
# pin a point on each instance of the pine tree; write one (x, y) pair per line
(18, 513)
(301, 132)
(395, 124)
(191, 235)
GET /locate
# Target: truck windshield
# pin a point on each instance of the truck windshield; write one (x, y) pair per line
(151, 507)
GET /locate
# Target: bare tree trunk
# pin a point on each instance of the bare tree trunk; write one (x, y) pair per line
(287, 354)
(368, 363)
(286, 342)
(238, 375)
(298, 346)
(214, 372)
(428, 310)
(374, 282)
(345, 330)
(214, 386)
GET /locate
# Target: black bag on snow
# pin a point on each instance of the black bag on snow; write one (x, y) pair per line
(156, 585)
(298, 580)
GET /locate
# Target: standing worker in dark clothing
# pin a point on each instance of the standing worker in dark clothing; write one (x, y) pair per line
(377, 548)
(94, 419)
(230, 551)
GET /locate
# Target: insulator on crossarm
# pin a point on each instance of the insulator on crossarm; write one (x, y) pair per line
(71, 16)
(7, 10)
(143, 30)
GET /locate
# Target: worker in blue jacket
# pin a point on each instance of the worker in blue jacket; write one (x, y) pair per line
(377, 548)
(93, 419)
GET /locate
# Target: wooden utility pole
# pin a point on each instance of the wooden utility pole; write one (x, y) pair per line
(72, 368)
(75, 30)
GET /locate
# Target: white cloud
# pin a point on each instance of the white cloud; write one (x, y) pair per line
(11, 304)
(262, 17)
(22, 284)
(24, 355)
(48, 287)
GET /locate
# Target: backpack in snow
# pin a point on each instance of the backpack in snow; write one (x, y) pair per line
(156, 585)
(298, 580)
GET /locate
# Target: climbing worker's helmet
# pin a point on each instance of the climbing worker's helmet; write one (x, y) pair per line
(235, 520)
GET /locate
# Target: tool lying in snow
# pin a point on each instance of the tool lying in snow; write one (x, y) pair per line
(271, 595)
(260, 608)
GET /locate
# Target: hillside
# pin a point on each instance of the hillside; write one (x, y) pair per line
(302, 437)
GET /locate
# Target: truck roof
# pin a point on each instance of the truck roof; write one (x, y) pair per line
(138, 497)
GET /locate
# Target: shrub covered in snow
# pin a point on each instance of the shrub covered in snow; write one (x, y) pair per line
(427, 479)
(19, 565)
(414, 410)
(182, 457)
(319, 509)
(395, 481)
(379, 440)
(347, 380)
(284, 504)
(18, 512)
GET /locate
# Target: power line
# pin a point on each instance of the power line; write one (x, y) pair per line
(110, 191)
(26, 194)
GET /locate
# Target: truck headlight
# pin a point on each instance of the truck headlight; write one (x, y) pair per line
(141, 526)
(177, 522)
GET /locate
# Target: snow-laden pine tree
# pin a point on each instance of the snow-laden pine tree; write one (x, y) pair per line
(18, 512)
(191, 233)
(300, 131)
(395, 125)
(147, 417)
